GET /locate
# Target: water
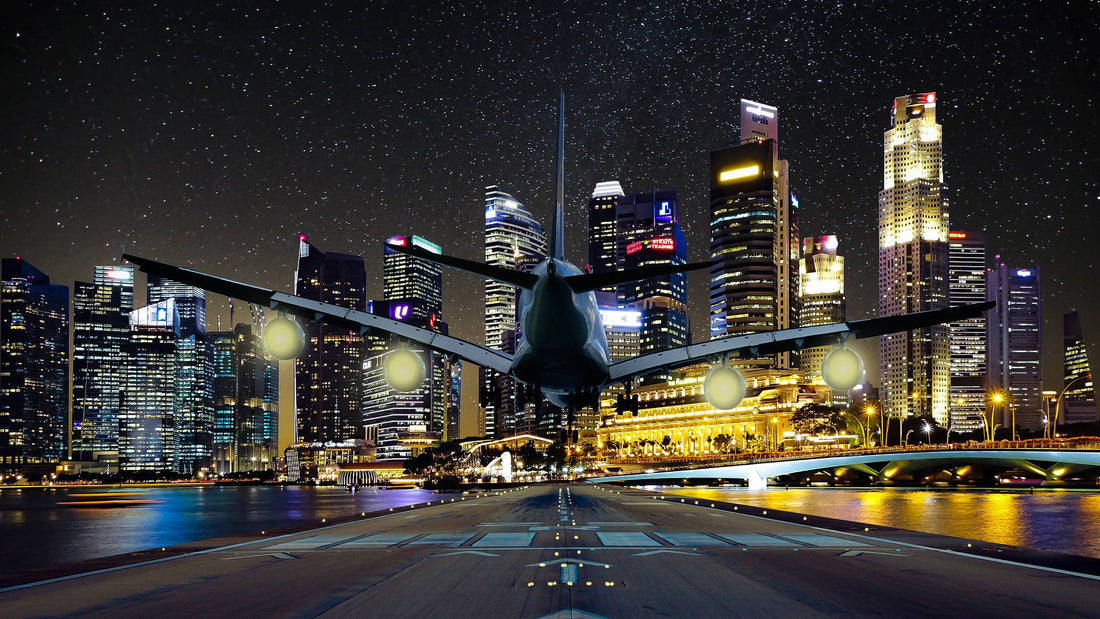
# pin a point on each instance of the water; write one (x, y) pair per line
(1062, 521)
(35, 531)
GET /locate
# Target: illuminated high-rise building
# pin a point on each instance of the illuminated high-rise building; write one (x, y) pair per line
(648, 233)
(1079, 402)
(413, 281)
(514, 239)
(195, 365)
(1015, 344)
(967, 267)
(603, 242)
(821, 287)
(147, 432)
(328, 373)
(246, 397)
(101, 326)
(914, 366)
(413, 291)
(34, 366)
(753, 233)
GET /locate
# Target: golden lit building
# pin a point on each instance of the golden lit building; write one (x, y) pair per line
(679, 410)
(914, 366)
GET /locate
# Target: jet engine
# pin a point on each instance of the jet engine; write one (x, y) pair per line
(283, 338)
(842, 369)
(404, 369)
(724, 387)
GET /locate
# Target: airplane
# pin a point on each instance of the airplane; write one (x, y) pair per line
(562, 349)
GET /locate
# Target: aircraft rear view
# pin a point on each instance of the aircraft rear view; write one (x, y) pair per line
(561, 347)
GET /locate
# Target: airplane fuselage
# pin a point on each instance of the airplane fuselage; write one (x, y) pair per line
(562, 347)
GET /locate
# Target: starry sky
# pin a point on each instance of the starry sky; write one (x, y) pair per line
(211, 134)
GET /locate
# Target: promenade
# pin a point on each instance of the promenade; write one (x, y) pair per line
(580, 551)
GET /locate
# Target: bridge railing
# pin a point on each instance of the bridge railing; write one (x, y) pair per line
(692, 461)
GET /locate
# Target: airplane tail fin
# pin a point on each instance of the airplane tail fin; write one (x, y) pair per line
(557, 224)
(593, 281)
(488, 271)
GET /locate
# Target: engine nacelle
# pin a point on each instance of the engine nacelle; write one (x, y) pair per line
(283, 338)
(724, 388)
(842, 369)
(404, 369)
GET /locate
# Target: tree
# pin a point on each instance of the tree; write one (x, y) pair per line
(666, 441)
(722, 442)
(816, 419)
(555, 453)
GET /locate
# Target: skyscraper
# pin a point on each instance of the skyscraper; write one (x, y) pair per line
(514, 239)
(190, 302)
(1079, 403)
(34, 365)
(147, 433)
(195, 367)
(328, 373)
(101, 326)
(821, 287)
(412, 281)
(1015, 346)
(967, 267)
(753, 233)
(648, 233)
(413, 290)
(246, 396)
(914, 366)
(603, 244)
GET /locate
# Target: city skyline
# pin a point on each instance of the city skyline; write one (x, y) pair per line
(208, 166)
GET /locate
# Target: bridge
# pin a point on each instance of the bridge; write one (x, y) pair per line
(1049, 464)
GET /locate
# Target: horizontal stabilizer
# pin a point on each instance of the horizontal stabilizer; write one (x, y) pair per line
(593, 281)
(488, 271)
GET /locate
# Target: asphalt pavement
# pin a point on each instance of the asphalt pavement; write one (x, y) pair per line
(570, 551)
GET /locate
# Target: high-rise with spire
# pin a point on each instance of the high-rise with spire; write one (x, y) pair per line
(914, 366)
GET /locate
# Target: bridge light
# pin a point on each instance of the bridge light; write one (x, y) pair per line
(842, 369)
(724, 388)
(283, 338)
(404, 370)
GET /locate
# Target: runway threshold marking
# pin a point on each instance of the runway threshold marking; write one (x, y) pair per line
(690, 539)
(631, 538)
(505, 540)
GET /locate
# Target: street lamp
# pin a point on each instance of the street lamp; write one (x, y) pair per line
(928, 432)
(1058, 400)
(775, 432)
(861, 427)
(997, 399)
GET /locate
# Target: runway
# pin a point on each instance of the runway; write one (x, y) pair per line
(571, 551)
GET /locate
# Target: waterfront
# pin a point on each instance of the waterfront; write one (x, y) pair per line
(38, 531)
(1061, 521)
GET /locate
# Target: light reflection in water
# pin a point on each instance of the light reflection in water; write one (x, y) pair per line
(35, 531)
(1059, 521)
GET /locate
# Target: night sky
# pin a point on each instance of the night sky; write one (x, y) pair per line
(210, 135)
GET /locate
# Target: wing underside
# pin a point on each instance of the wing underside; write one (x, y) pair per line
(327, 313)
(760, 344)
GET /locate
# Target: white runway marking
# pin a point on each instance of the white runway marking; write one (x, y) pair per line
(625, 539)
(690, 539)
(505, 540)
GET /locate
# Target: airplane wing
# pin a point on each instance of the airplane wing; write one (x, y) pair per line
(328, 313)
(759, 344)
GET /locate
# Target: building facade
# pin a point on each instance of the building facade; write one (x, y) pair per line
(328, 373)
(967, 276)
(101, 326)
(1015, 345)
(821, 288)
(514, 239)
(148, 439)
(246, 402)
(1079, 403)
(914, 366)
(34, 366)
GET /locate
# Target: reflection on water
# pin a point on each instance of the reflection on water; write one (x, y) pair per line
(35, 531)
(1060, 521)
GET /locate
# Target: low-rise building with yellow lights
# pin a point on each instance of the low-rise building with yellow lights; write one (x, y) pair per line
(679, 411)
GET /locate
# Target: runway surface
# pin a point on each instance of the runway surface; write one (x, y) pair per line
(571, 551)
